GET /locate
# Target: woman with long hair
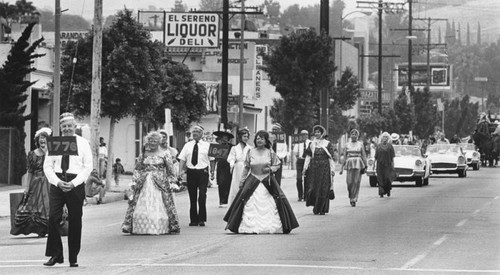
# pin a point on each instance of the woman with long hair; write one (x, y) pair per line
(260, 207)
(152, 208)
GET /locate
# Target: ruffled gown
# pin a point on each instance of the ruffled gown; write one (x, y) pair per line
(236, 160)
(260, 207)
(152, 209)
(32, 216)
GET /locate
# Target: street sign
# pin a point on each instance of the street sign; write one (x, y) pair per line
(480, 79)
(63, 145)
(199, 30)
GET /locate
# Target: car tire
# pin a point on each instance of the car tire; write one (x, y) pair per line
(426, 181)
(373, 181)
(418, 182)
(475, 166)
(462, 173)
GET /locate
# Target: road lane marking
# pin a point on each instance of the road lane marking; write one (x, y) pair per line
(113, 224)
(462, 222)
(441, 240)
(476, 212)
(424, 254)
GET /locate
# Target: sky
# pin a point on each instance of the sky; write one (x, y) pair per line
(85, 8)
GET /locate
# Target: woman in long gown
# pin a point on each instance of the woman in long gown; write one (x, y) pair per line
(32, 216)
(319, 171)
(152, 208)
(236, 160)
(260, 207)
(354, 162)
(384, 158)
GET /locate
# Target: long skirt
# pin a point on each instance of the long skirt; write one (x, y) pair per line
(385, 176)
(353, 179)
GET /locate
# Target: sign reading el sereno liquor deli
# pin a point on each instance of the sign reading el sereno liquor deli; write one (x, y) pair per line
(192, 30)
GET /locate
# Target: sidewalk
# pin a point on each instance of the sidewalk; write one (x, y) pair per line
(115, 193)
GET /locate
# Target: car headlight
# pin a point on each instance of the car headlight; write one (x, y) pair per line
(371, 162)
(461, 160)
(475, 154)
(418, 162)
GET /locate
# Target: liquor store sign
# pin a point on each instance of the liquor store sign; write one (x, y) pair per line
(199, 30)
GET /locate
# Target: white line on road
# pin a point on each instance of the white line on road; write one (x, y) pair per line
(462, 222)
(421, 256)
(113, 224)
(441, 240)
(476, 212)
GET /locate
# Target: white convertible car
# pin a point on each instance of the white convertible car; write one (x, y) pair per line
(447, 159)
(409, 165)
(471, 155)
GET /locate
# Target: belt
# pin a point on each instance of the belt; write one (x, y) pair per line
(66, 177)
(193, 169)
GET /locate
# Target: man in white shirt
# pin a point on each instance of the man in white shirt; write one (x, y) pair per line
(298, 150)
(67, 175)
(194, 162)
(280, 148)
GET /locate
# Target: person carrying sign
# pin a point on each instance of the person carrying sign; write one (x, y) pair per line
(194, 162)
(223, 168)
(67, 173)
(279, 147)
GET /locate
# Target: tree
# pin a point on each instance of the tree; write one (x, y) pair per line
(69, 22)
(179, 6)
(272, 11)
(460, 117)
(13, 93)
(425, 113)
(299, 67)
(405, 112)
(211, 5)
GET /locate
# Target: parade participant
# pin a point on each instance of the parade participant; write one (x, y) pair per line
(117, 171)
(355, 164)
(395, 139)
(194, 162)
(67, 175)
(236, 159)
(260, 207)
(442, 139)
(94, 186)
(280, 149)
(32, 215)
(455, 139)
(299, 150)
(384, 159)
(166, 147)
(496, 136)
(319, 171)
(152, 208)
(223, 169)
(103, 157)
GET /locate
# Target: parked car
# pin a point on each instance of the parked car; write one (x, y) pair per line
(472, 156)
(447, 159)
(409, 165)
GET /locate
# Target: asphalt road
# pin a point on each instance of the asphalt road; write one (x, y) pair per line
(451, 226)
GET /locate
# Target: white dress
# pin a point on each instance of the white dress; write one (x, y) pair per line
(236, 161)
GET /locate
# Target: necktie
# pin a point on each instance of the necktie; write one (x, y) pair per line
(194, 157)
(304, 150)
(64, 163)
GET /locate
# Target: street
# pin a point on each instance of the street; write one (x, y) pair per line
(450, 226)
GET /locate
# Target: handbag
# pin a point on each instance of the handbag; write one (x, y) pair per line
(331, 194)
(362, 171)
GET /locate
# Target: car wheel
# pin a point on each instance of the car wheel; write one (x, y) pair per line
(418, 182)
(475, 167)
(462, 173)
(373, 181)
(426, 181)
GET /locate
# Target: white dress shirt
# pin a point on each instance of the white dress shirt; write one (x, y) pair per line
(187, 152)
(80, 165)
(299, 148)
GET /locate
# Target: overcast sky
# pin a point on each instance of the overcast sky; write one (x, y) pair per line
(85, 7)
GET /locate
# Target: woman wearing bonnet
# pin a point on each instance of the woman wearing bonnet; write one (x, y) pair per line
(32, 215)
(319, 171)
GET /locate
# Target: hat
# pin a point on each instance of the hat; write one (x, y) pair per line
(227, 133)
(304, 132)
(46, 130)
(276, 126)
(198, 127)
(394, 136)
(66, 116)
(163, 131)
(323, 130)
(355, 131)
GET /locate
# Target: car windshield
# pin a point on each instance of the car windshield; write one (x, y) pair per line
(404, 150)
(442, 148)
(468, 146)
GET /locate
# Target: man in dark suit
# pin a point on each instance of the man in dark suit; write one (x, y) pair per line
(67, 175)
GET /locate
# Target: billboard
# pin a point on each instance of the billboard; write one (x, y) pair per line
(439, 79)
(192, 30)
(212, 59)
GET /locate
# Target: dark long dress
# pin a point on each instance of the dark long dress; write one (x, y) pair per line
(319, 179)
(384, 156)
(33, 215)
(223, 180)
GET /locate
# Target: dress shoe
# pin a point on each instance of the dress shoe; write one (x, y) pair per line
(388, 193)
(73, 264)
(381, 196)
(353, 203)
(54, 260)
(193, 224)
(201, 224)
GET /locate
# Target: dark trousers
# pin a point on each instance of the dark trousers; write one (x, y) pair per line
(197, 179)
(300, 186)
(224, 178)
(74, 202)
(278, 173)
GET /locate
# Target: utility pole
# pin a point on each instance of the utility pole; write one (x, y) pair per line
(381, 7)
(56, 100)
(95, 108)
(324, 30)
(242, 65)
(410, 36)
(225, 58)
